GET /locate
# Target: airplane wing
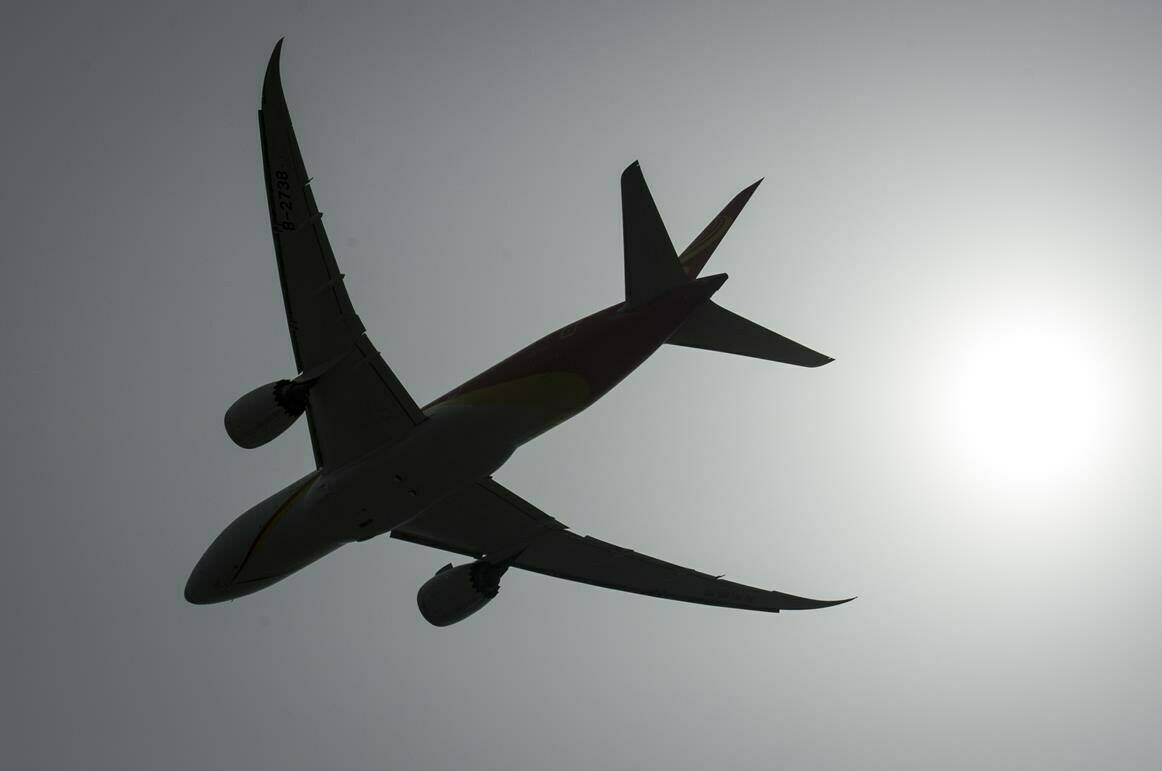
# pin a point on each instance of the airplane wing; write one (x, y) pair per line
(487, 520)
(359, 404)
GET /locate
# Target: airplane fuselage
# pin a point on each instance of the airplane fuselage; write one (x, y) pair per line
(467, 435)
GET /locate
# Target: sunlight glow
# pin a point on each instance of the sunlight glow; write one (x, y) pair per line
(1029, 401)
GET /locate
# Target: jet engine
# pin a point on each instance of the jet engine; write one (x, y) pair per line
(455, 593)
(266, 412)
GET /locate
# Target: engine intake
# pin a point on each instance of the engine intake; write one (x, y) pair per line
(455, 593)
(266, 412)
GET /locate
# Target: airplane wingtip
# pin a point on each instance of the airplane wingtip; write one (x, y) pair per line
(272, 83)
(817, 604)
(792, 602)
(275, 55)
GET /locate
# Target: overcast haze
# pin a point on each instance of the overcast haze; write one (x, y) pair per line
(961, 205)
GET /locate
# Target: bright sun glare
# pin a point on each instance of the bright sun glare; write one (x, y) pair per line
(1029, 402)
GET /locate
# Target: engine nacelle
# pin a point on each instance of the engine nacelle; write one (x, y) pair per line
(265, 412)
(455, 593)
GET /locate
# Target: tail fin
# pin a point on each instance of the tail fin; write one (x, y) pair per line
(651, 264)
(694, 259)
(714, 328)
(652, 268)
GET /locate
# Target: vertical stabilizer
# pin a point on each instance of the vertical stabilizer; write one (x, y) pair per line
(651, 264)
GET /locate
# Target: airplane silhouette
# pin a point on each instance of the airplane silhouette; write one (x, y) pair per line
(384, 465)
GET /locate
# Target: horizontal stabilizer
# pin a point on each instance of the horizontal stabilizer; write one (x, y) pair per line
(714, 328)
(697, 254)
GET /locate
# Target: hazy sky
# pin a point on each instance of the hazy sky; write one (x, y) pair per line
(961, 205)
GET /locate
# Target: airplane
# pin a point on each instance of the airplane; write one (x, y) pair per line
(385, 465)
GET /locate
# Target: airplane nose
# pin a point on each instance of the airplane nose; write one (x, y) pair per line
(216, 576)
(196, 593)
(205, 585)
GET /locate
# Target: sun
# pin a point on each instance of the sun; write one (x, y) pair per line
(1028, 401)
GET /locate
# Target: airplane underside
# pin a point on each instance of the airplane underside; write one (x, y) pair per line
(384, 465)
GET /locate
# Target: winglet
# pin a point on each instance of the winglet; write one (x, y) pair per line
(791, 602)
(272, 84)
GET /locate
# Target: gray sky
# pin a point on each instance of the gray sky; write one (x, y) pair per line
(961, 205)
